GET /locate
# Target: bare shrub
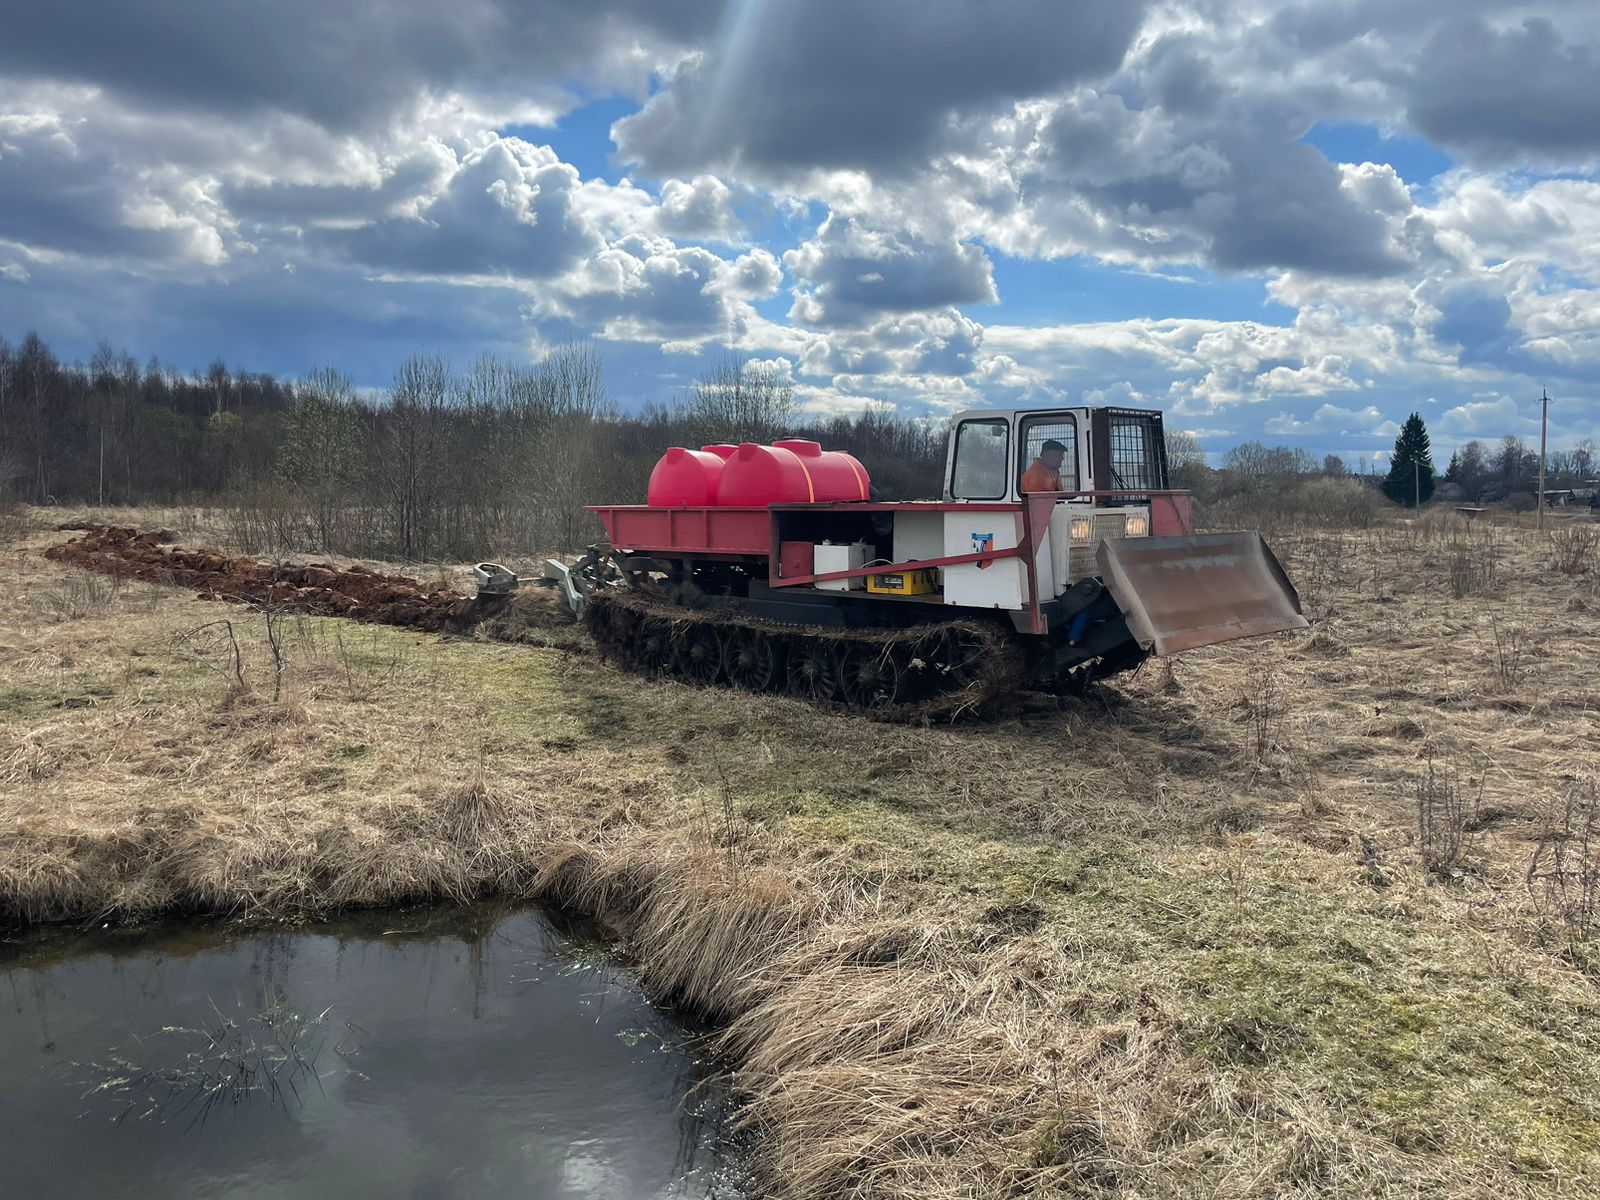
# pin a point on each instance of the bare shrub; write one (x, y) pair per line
(267, 519)
(1509, 643)
(369, 673)
(13, 524)
(81, 595)
(214, 646)
(1264, 705)
(1336, 504)
(274, 618)
(1446, 819)
(1320, 567)
(1564, 872)
(1572, 547)
(1471, 574)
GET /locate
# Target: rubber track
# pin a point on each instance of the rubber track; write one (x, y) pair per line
(997, 682)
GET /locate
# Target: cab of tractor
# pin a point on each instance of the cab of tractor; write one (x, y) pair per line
(1110, 455)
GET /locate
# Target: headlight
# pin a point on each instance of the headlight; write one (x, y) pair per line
(1137, 525)
(1082, 529)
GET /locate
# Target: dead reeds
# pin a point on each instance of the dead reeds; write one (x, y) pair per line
(274, 1056)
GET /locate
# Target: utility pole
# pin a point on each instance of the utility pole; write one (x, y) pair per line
(1544, 421)
(1416, 483)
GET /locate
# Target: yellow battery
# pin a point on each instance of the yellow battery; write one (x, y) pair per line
(903, 583)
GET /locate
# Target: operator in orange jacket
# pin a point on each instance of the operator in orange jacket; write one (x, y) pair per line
(1044, 473)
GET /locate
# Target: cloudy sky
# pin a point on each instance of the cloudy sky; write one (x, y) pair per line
(1289, 221)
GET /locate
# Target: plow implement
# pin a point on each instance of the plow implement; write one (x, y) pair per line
(1181, 593)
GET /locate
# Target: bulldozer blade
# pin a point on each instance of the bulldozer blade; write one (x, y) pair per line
(1178, 593)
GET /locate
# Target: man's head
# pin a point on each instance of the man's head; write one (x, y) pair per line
(1051, 454)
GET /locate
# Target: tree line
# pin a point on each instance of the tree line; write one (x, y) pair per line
(498, 457)
(1508, 470)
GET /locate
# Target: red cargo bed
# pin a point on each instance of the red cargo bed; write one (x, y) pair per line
(708, 532)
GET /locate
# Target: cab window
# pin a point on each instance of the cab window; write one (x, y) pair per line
(1135, 452)
(1054, 427)
(979, 471)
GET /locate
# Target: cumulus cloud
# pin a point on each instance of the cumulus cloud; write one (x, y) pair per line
(942, 344)
(784, 89)
(698, 208)
(348, 66)
(1330, 418)
(849, 273)
(643, 288)
(509, 209)
(66, 190)
(1501, 94)
(1227, 185)
(1494, 417)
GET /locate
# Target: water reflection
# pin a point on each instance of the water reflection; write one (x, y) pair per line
(477, 1052)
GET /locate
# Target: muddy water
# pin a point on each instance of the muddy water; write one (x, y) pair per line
(421, 1054)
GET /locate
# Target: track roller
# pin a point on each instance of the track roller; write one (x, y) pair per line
(874, 676)
(697, 652)
(752, 659)
(813, 669)
(653, 647)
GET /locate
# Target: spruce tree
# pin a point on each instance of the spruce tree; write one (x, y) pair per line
(1410, 477)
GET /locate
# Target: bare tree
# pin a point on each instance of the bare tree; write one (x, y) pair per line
(12, 467)
(736, 400)
(409, 457)
(321, 454)
(36, 370)
(1260, 466)
(1583, 460)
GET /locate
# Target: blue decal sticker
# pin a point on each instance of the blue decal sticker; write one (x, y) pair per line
(980, 543)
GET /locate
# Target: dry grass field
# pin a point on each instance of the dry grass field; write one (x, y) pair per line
(1304, 916)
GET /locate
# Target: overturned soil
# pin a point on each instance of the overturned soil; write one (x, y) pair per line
(320, 589)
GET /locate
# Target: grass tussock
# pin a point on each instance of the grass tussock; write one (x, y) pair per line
(1218, 930)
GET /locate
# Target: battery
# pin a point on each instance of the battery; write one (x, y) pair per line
(903, 583)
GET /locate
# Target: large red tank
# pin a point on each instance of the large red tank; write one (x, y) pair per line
(687, 478)
(790, 472)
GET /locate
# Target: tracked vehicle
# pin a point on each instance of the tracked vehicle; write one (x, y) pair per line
(775, 567)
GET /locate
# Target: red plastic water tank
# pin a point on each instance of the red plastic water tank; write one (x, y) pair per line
(687, 477)
(791, 472)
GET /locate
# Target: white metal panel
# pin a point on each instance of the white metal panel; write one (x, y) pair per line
(1001, 583)
(1044, 569)
(1061, 547)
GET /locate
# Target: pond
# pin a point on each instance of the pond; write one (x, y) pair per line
(478, 1052)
